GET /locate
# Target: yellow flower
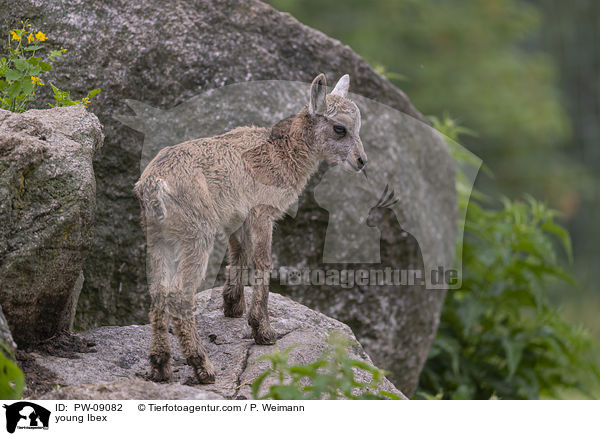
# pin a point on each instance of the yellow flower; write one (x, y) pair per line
(15, 35)
(36, 81)
(40, 36)
(85, 100)
(30, 38)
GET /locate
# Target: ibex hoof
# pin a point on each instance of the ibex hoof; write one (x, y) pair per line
(203, 369)
(160, 367)
(265, 336)
(160, 375)
(205, 377)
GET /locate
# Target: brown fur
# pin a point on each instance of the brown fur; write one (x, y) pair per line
(237, 183)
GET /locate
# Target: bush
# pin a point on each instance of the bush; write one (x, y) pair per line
(499, 335)
(12, 381)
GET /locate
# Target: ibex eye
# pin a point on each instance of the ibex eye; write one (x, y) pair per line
(340, 130)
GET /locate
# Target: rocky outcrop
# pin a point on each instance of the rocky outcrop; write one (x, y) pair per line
(7, 344)
(117, 367)
(196, 46)
(47, 205)
(131, 389)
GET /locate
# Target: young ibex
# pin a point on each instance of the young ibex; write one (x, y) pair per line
(237, 183)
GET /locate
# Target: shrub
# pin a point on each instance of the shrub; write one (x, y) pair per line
(498, 334)
(331, 377)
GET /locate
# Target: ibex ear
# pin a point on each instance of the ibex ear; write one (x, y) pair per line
(318, 90)
(341, 88)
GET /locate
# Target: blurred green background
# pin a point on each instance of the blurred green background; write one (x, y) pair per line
(524, 75)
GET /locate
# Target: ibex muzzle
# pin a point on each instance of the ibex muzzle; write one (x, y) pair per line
(237, 183)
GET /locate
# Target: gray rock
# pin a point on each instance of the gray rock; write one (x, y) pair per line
(47, 204)
(7, 344)
(117, 368)
(130, 389)
(163, 55)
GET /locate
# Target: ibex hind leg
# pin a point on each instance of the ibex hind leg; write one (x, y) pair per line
(234, 303)
(189, 276)
(160, 349)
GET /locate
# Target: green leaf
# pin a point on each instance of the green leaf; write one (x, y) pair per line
(452, 347)
(285, 392)
(14, 89)
(45, 66)
(12, 74)
(54, 88)
(514, 351)
(562, 234)
(258, 382)
(302, 370)
(462, 393)
(26, 85)
(93, 92)
(21, 64)
(55, 54)
(12, 380)
(33, 47)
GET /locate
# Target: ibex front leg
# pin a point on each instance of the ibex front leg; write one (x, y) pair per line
(233, 290)
(258, 316)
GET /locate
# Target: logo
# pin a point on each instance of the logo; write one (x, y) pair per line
(26, 415)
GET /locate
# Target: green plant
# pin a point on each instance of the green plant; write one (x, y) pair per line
(63, 98)
(12, 380)
(20, 70)
(330, 377)
(498, 334)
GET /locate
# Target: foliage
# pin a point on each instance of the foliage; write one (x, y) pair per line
(20, 70)
(330, 377)
(499, 335)
(63, 98)
(12, 380)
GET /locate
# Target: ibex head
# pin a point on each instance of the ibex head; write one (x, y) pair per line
(336, 122)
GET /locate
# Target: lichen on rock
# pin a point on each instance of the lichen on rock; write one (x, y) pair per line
(47, 206)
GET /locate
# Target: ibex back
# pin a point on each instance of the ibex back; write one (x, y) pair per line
(237, 183)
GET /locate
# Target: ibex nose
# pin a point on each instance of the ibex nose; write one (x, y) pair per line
(361, 163)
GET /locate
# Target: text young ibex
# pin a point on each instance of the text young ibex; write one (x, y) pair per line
(237, 183)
